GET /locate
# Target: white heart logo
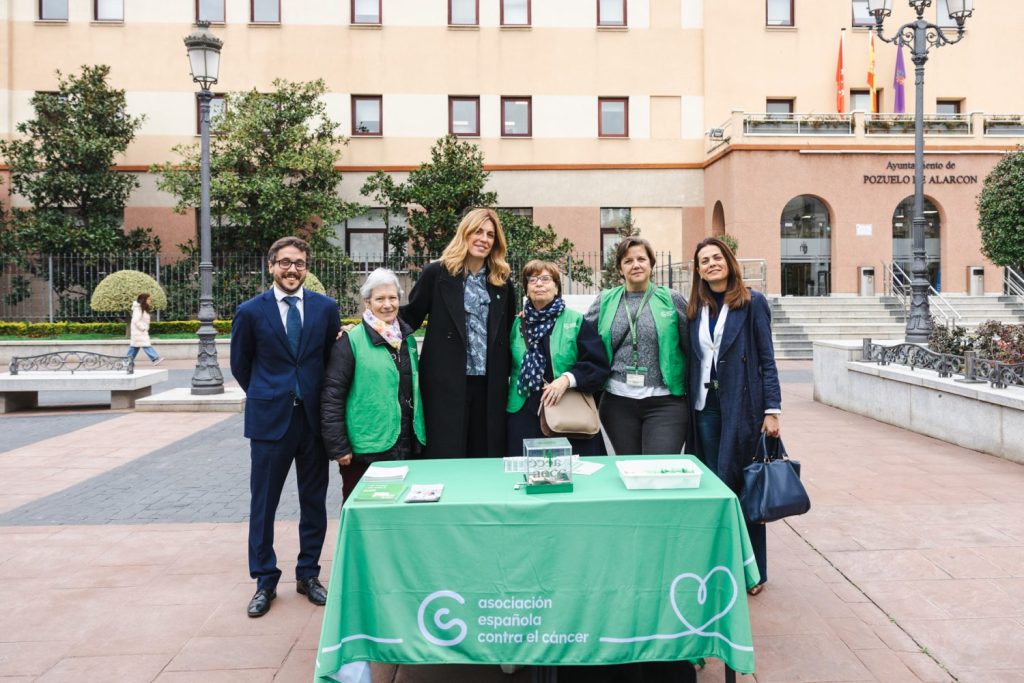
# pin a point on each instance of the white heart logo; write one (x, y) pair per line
(702, 597)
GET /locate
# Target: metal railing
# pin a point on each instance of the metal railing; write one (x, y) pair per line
(897, 284)
(973, 369)
(1004, 124)
(59, 287)
(1013, 283)
(797, 124)
(903, 124)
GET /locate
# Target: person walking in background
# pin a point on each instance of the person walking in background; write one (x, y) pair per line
(553, 350)
(139, 330)
(370, 407)
(469, 303)
(643, 410)
(280, 343)
(733, 380)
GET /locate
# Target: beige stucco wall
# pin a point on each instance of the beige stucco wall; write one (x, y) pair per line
(754, 187)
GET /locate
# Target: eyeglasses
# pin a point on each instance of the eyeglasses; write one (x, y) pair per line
(287, 263)
(540, 279)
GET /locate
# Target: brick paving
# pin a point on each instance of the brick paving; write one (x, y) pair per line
(910, 567)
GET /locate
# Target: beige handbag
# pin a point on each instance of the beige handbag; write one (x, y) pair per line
(574, 417)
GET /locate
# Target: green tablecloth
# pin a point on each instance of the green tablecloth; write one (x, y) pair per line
(490, 574)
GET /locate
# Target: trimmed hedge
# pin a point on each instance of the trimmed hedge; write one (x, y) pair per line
(117, 292)
(115, 329)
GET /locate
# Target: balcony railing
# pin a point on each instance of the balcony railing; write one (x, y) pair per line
(797, 124)
(903, 124)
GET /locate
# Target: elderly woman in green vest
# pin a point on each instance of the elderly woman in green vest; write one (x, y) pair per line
(370, 408)
(643, 410)
(553, 350)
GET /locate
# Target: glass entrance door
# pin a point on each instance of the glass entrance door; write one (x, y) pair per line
(806, 234)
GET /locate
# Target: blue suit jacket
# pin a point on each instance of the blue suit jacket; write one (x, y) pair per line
(263, 363)
(749, 382)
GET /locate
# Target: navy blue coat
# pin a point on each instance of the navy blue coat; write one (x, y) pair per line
(749, 383)
(263, 363)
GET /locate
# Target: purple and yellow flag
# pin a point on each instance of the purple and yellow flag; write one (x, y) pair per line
(899, 103)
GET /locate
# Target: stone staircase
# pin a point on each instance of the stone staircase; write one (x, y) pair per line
(799, 321)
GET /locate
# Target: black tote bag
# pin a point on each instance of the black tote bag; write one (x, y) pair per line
(771, 485)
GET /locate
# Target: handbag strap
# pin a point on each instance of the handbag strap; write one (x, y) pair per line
(776, 452)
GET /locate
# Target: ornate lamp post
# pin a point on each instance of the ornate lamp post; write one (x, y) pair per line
(204, 60)
(920, 36)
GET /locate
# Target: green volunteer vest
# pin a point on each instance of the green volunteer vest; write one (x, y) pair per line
(563, 352)
(671, 360)
(374, 416)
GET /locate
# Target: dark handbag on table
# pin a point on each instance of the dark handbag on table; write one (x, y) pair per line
(771, 485)
(575, 416)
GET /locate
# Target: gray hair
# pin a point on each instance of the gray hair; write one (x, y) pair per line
(382, 277)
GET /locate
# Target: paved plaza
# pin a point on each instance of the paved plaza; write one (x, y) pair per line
(123, 555)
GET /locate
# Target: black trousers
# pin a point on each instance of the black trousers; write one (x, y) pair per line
(476, 417)
(645, 426)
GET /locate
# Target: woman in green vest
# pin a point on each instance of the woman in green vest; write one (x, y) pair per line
(643, 409)
(370, 408)
(553, 350)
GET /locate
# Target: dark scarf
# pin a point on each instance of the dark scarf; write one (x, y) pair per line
(536, 326)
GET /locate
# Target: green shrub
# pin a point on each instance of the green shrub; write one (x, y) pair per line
(313, 284)
(991, 340)
(117, 291)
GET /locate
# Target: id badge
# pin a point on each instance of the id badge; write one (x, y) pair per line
(635, 376)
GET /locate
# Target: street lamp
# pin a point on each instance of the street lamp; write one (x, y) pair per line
(204, 61)
(920, 36)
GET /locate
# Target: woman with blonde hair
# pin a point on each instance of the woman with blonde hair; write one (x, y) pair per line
(468, 300)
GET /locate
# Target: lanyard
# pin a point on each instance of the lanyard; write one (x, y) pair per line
(633, 321)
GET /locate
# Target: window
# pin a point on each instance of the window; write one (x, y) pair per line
(366, 11)
(780, 108)
(109, 10)
(612, 220)
(464, 115)
(53, 10)
(523, 211)
(210, 10)
(613, 117)
(948, 107)
(942, 17)
(860, 14)
(516, 117)
(463, 12)
(266, 11)
(860, 100)
(611, 12)
(779, 12)
(367, 116)
(515, 12)
(364, 237)
(218, 105)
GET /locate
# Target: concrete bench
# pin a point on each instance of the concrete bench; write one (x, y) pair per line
(75, 371)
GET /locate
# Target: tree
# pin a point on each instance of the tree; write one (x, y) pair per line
(1001, 211)
(272, 169)
(63, 166)
(381, 188)
(526, 240)
(610, 275)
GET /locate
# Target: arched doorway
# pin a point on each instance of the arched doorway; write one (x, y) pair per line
(717, 220)
(806, 230)
(903, 243)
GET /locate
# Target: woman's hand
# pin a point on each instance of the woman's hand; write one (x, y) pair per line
(344, 460)
(553, 392)
(341, 333)
(771, 425)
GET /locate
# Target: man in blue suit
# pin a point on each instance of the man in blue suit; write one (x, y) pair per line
(280, 343)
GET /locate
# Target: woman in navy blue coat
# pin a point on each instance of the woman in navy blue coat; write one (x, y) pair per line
(733, 380)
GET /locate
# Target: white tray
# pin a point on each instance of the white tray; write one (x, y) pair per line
(650, 474)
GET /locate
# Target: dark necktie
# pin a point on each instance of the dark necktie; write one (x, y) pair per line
(293, 327)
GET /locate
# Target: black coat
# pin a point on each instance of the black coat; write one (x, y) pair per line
(334, 400)
(438, 296)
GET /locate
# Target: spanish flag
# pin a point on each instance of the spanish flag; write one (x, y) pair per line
(840, 77)
(871, 75)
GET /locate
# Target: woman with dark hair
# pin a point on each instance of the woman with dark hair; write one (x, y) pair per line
(643, 409)
(734, 383)
(139, 330)
(468, 299)
(553, 350)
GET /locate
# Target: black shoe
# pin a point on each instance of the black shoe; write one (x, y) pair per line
(312, 589)
(260, 603)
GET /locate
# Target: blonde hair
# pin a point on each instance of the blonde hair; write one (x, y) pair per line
(453, 258)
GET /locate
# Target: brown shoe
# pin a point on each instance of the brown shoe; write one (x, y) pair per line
(756, 589)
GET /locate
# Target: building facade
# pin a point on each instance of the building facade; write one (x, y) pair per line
(694, 117)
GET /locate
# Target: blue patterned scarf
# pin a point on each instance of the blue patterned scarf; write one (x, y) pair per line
(536, 325)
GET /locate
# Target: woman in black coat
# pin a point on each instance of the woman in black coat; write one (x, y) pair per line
(578, 357)
(733, 380)
(469, 304)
